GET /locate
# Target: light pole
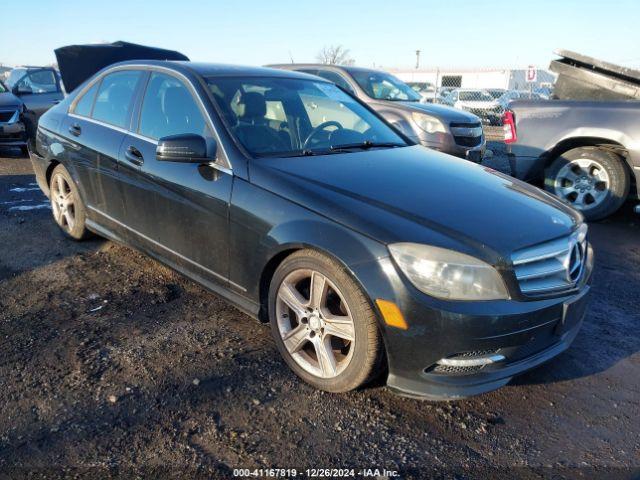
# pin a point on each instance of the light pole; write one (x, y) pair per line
(417, 59)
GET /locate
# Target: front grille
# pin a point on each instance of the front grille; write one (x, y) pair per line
(550, 267)
(6, 115)
(466, 134)
(468, 141)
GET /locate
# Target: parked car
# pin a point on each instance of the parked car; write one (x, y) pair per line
(496, 93)
(426, 90)
(13, 131)
(434, 126)
(301, 206)
(443, 96)
(33, 90)
(478, 102)
(587, 152)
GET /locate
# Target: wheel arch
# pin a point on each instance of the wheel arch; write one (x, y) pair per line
(570, 143)
(53, 163)
(342, 245)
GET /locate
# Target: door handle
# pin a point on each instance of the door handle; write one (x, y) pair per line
(75, 130)
(55, 102)
(134, 155)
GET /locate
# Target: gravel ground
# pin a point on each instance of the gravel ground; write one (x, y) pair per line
(112, 365)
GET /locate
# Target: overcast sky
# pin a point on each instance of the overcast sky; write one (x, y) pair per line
(385, 33)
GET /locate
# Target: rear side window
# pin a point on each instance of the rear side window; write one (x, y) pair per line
(169, 108)
(113, 102)
(336, 78)
(83, 106)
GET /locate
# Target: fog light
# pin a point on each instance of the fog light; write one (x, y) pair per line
(471, 361)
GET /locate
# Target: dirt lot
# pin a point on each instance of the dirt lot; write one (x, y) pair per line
(110, 365)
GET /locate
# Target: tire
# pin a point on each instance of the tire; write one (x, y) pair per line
(24, 150)
(593, 180)
(66, 205)
(355, 362)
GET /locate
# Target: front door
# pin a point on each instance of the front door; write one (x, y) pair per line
(40, 90)
(178, 210)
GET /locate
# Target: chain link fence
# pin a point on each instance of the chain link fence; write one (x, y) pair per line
(483, 92)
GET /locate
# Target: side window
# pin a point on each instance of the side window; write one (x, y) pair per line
(40, 81)
(169, 108)
(113, 102)
(83, 106)
(336, 78)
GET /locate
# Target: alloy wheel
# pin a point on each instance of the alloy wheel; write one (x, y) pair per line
(62, 203)
(583, 183)
(315, 323)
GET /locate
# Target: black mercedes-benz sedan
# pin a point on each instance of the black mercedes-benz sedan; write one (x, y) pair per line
(301, 206)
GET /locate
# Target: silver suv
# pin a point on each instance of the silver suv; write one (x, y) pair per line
(439, 127)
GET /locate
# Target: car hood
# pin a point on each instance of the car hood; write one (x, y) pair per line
(449, 114)
(413, 194)
(8, 99)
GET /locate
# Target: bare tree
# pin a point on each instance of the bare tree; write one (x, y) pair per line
(335, 55)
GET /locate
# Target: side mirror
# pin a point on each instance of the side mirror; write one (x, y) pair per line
(185, 148)
(22, 90)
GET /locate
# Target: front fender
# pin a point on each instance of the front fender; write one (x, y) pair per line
(348, 247)
(263, 225)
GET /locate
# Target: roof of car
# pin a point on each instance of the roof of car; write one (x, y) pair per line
(347, 68)
(219, 69)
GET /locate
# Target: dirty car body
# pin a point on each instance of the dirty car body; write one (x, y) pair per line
(228, 222)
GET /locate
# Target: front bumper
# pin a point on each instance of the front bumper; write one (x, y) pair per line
(446, 144)
(524, 333)
(13, 134)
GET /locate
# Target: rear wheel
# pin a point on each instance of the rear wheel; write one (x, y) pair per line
(323, 324)
(67, 207)
(592, 180)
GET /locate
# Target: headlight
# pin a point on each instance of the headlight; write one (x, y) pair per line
(447, 274)
(428, 123)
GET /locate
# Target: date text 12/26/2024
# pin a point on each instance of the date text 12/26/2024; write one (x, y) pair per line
(287, 473)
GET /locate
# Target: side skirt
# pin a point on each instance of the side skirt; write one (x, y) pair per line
(240, 302)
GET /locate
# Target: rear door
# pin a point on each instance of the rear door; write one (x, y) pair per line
(178, 210)
(95, 128)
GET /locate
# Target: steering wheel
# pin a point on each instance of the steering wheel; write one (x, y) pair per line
(319, 128)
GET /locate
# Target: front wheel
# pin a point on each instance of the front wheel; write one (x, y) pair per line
(323, 324)
(591, 179)
(67, 207)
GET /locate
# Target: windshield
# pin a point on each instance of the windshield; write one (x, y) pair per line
(15, 75)
(273, 117)
(383, 86)
(476, 96)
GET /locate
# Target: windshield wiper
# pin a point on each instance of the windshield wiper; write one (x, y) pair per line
(366, 145)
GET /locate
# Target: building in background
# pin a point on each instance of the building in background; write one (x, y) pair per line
(508, 79)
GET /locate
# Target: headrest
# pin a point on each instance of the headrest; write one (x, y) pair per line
(255, 105)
